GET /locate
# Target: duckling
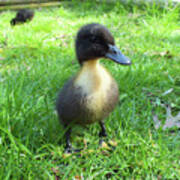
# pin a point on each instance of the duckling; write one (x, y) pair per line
(91, 94)
(22, 16)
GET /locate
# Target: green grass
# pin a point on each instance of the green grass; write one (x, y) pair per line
(38, 57)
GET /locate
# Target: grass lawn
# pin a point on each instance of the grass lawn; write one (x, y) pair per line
(38, 57)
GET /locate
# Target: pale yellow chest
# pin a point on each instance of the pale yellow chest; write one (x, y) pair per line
(95, 82)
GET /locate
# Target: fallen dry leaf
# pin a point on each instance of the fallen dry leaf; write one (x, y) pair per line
(85, 152)
(113, 143)
(171, 121)
(65, 155)
(166, 54)
(85, 143)
(104, 145)
(78, 177)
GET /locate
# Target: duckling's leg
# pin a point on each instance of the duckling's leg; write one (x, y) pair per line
(102, 132)
(68, 147)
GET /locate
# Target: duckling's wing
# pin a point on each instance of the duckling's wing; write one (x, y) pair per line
(69, 103)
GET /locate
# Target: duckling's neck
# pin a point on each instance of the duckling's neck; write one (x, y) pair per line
(93, 77)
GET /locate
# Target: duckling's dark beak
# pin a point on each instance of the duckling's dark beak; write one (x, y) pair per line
(116, 55)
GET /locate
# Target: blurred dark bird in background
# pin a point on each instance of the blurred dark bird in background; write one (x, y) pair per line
(22, 16)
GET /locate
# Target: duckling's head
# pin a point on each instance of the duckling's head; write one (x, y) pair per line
(94, 41)
(13, 22)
